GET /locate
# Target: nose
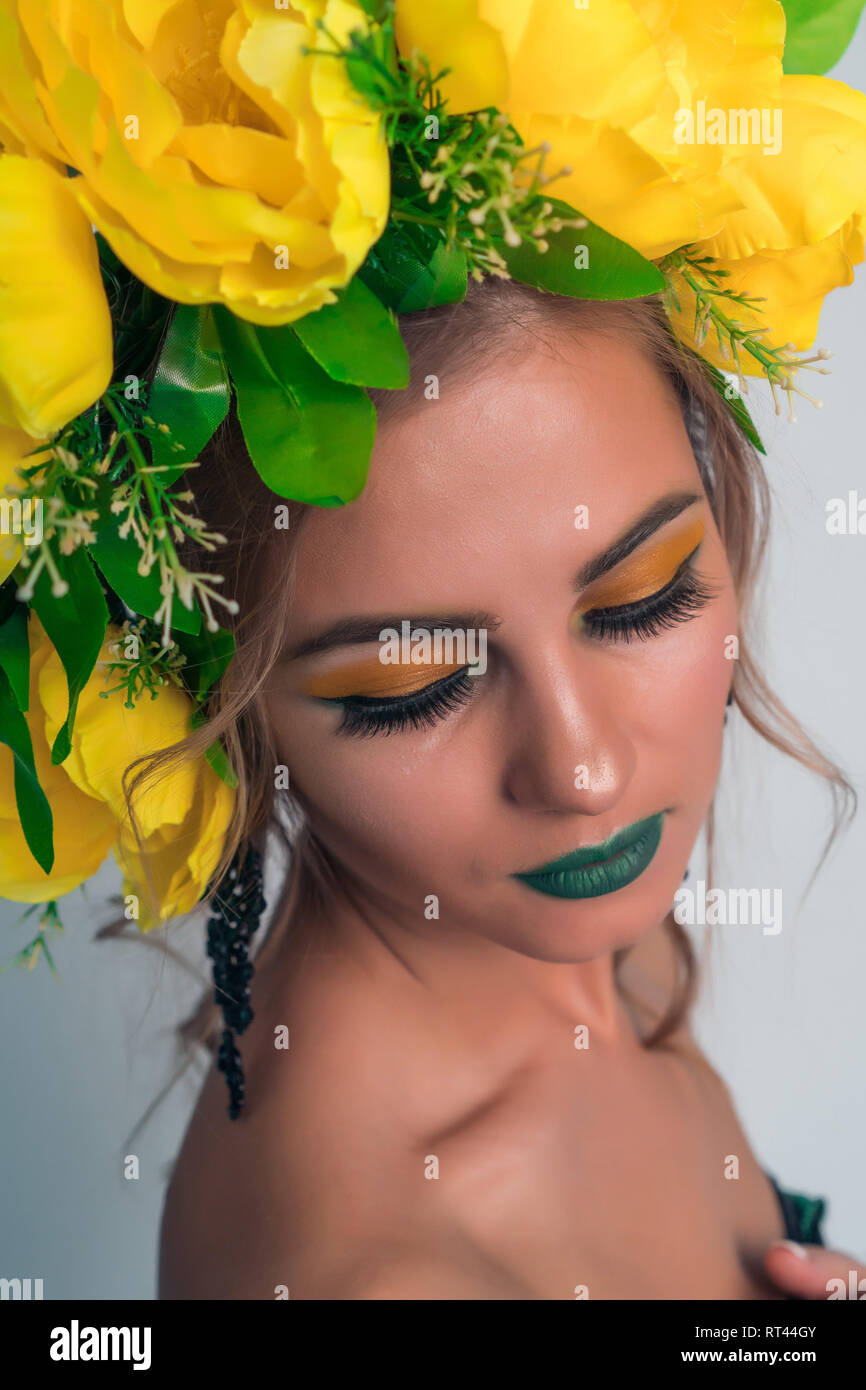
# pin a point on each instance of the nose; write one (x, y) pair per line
(568, 749)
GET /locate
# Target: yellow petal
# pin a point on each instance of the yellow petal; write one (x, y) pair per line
(250, 159)
(20, 111)
(600, 61)
(622, 187)
(809, 190)
(17, 450)
(55, 328)
(84, 830)
(452, 35)
(107, 738)
(793, 285)
(172, 870)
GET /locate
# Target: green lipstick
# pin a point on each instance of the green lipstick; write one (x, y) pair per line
(599, 869)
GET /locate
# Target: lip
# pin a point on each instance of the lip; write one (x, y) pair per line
(598, 869)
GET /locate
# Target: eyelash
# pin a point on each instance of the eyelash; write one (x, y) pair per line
(364, 718)
(680, 599)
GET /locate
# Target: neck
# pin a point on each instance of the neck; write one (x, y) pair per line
(452, 971)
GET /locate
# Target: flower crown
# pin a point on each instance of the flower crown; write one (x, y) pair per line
(214, 201)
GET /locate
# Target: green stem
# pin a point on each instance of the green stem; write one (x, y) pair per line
(413, 217)
(147, 482)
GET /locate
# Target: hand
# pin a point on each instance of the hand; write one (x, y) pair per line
(810, 1271)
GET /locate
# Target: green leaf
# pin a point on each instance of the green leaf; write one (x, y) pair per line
(612, 269)
(216, 755)
(118, 560)
(309, 437)
(818, 33)
(138, 314)
(735, 402)
(410, 268)
(76, 625)
(33, 808)
(356, 340)
(207, 656)
(15, 654)
(190, 391)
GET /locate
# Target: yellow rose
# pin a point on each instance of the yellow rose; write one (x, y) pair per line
(221, 162)
(17, 450)
(602, 85)
(182, 816)
(606, 87)
(802, 224)
(84, 829)
(55, 328)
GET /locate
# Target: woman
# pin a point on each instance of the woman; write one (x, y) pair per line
(471, 1073)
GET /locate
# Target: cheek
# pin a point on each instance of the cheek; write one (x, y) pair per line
(698, 675)
(372, 798)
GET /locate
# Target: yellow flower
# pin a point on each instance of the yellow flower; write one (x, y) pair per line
(220, 161)
(17, 450)
(55, 328)
(84, 829)
(602, 86)
(802, 224)
(606, 86)
(181, 816)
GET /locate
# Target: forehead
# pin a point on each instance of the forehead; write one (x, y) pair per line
(472, 497)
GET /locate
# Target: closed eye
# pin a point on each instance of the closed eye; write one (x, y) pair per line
(675, 602)
(365, 716)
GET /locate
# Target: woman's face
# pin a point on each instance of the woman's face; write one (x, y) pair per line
(550, 511)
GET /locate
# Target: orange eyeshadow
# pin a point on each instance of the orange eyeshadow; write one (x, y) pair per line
(644, 573)
(373, 678)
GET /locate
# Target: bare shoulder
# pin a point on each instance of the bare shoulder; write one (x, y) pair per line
(652, 971)
(323, 1165)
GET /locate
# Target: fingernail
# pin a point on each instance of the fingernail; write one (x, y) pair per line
(799, 1250)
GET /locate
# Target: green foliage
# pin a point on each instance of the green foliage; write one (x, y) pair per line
(15, 654)
(75, 615)
(31, 801)
(469, 175)
(735, 402)
(715, 308)
(818, 33)
(206, 658)
(612, 268)
(411, 267)
(356, 340)
(139, 315)
(49, 921)
(190, 391)
(118, 559)
(309, 437)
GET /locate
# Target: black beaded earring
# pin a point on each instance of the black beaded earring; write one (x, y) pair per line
(238, 907)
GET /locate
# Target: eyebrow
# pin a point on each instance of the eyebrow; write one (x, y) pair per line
(356, 631)
(650, 521)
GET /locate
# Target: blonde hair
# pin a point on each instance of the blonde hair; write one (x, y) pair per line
(492, 320)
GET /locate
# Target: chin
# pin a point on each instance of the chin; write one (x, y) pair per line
(574, 931)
